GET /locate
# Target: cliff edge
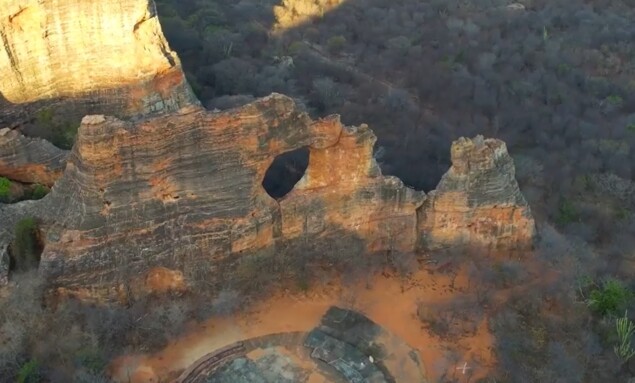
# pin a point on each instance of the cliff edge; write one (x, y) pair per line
(82, 57)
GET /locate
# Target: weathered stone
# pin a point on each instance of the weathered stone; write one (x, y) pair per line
(478, 201)
(142, 198)
(30, 160)
(4, 264)
(92, 56)
(291, 13)
(169, 189)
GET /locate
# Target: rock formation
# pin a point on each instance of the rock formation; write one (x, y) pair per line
(184, 186)
(169, 190)
(90, 56)
(30, 160)
(478, 201)
(291, 13)
(142, 199)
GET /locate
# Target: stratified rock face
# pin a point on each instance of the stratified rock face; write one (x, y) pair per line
(140, 202)
(172, 189)
(478, 201)
(30, 160)
(291, 13)
(99, 56)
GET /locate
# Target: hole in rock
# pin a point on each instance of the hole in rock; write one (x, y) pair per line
(26, 248)
(285, 171)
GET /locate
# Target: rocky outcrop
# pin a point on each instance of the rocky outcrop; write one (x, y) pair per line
(291, 13)
(143, 199)
(478, 201)
(170, 190)
(90, 56)
(30, 160)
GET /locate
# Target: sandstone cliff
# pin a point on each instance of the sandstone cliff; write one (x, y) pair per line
(171, 190)
(142, 200)
(89, 56)
(478, 201)
(30, 160)
(291, 13)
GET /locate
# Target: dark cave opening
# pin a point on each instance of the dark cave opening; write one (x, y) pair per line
(285, 171)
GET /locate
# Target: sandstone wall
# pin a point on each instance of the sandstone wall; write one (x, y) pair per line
(30, 160)
(142, 199)
(172, 190)
(291, 13)
(478, 201)
(89, 56)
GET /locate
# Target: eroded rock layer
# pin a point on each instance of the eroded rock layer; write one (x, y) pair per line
(175, 188)
(30, 160)
(291, 13)
(478, 201)
(150, 198)
(92, 56)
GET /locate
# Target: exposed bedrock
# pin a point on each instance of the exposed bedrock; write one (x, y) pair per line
(173, 189)
(30, 160)
(477, 202)
(92, 56)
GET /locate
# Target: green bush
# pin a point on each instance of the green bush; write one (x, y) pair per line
(44, 116)
(91, 360)
(5, 188)
(625, 330)
(336, 43)
(64, 134)
(29, 373)
(610, 298)
(25, 249)
(567, 213)
(39, 191)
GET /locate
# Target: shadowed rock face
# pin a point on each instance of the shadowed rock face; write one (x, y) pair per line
(30, 160)
(92, 56)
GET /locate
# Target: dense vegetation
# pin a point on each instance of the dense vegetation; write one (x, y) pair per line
(554, 79)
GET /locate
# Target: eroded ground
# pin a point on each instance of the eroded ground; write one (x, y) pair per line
(390, 301)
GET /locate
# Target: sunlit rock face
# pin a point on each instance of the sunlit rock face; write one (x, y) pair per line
(99, 56)
(166, 191)
(478, 201)
(291, 13)
(30, 160)
(169, 191)
(142, 199)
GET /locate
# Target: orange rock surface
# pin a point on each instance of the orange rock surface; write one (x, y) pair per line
(92, 56)
(174, 190)
(171, 191)
(30, 160)
(478, 201)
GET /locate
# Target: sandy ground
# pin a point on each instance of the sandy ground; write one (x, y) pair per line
(388, 300)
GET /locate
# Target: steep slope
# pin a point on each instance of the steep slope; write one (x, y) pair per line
(81, 57)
